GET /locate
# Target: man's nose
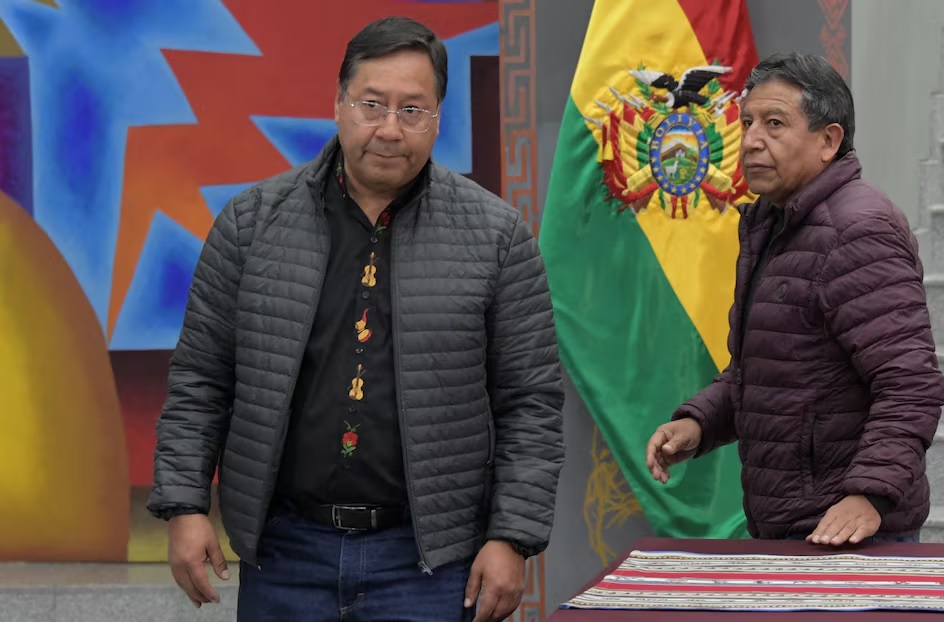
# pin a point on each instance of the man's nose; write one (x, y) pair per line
(389, 128)
(750, 138)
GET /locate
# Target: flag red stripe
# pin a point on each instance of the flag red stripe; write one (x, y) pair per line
(723, 29)
(725, 576)
(769, 589)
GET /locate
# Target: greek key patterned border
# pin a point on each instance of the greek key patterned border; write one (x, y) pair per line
(519, 183)
(833, 35)
(518, 114)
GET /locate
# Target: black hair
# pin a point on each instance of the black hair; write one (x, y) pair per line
(393, 34)
(826, 96)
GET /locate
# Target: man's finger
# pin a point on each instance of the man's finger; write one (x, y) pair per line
(182, 577)
(218, 561)
(825, 529)
(652, 449)
(472, 587)
(201, 581)
(487, 604)
(507, 605)
(861, 533)
(657, 471)
(843, 536)
(650, 460)
(654, 459)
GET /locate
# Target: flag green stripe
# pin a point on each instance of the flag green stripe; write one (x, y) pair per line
(627, 343)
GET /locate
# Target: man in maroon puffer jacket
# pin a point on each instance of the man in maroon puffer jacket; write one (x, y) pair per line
(833, 391)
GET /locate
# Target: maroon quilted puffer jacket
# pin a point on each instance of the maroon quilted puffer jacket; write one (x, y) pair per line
(833, 387)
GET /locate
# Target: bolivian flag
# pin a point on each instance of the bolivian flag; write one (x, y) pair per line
(640, 240)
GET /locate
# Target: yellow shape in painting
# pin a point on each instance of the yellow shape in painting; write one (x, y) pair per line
(64, 488)
(8, 45)
(9, 48)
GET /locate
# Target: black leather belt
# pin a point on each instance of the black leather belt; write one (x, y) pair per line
(356, 517)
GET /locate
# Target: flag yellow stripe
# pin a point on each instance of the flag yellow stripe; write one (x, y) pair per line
(609, 50)
(697, 254)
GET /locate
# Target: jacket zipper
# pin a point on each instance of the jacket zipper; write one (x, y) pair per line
(749, 301)
(744, 238)
(491, 443)
(293, 381)
(401, 411)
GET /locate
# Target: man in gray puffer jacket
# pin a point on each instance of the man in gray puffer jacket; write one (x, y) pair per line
(368, 355)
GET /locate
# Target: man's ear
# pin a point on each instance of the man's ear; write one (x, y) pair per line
(832, 140)
(339, 97)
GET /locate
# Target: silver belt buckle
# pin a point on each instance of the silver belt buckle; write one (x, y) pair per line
(336, 517)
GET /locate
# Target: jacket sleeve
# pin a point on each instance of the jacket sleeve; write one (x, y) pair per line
(201, 379)
(712, 407)
(527, 395)
(873, 298)
(713, 410)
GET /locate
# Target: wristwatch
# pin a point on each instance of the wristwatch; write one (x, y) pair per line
(171, 511)
(522, 550)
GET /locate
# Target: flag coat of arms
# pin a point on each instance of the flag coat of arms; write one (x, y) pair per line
(639, 236)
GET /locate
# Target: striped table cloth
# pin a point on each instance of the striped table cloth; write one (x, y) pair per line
(839, 582)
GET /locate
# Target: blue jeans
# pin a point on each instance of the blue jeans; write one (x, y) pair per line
(310, 572)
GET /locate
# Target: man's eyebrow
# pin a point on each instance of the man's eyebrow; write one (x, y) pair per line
(767, 112)
(372, 92)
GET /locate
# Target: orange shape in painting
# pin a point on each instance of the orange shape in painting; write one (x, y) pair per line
(63, 460)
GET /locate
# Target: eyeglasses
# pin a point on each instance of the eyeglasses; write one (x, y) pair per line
(411, 118)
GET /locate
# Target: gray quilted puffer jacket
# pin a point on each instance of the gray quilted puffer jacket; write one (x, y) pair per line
(478, 375)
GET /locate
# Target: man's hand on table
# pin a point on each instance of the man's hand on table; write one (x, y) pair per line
(851, 520)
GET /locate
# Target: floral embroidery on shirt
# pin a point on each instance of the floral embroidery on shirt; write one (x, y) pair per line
(383, 221)
(339, 172)
(349, 440)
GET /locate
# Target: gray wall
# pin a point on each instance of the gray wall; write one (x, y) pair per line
(896, 52)
(560, 26)
(569, 562)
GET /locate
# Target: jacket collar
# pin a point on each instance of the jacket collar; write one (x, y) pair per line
(836, 175)
(321, 169)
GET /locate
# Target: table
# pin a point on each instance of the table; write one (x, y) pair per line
(747, 547)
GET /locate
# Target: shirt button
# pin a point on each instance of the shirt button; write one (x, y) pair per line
(373, 239)
(359, 351)
(351, 409)
(365, 295)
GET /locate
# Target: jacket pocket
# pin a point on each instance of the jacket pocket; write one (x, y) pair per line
(807, 459)
(489, 473)
(224, 440)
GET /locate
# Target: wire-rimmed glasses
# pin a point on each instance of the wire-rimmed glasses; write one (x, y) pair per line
(412, 118)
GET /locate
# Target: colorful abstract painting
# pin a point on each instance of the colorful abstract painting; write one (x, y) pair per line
(125, 126)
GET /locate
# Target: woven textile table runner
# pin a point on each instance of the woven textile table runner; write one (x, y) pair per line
(841, 582)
